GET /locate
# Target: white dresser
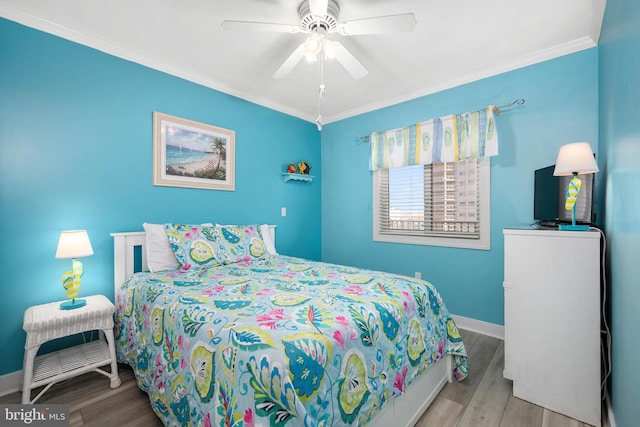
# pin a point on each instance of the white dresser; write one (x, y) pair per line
(552, 319)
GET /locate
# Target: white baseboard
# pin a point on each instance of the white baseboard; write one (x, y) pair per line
(10, 383)
(479, 326)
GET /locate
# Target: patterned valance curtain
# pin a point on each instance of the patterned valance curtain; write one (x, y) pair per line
(443, 139)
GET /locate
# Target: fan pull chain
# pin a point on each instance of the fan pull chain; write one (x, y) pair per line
(322, 86)
(321, 89)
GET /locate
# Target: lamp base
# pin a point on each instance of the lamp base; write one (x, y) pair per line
(73, 304)
(573, 227)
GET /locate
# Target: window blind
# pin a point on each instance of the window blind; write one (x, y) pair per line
(439, 199)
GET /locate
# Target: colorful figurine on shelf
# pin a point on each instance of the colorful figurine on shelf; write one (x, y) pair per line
(291, 168)
(304, 168)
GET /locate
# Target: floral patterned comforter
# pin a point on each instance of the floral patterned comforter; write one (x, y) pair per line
(280, 341)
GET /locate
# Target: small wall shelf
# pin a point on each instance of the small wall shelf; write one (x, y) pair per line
(296, 177)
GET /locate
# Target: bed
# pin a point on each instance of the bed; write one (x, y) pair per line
(241, 335)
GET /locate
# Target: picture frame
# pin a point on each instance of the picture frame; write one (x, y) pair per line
(190, 154)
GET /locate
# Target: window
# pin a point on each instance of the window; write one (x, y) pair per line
(442, 204)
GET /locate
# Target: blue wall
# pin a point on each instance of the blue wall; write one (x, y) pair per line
(620, 147)
(77, 122)
(561, 107)
(76, 152)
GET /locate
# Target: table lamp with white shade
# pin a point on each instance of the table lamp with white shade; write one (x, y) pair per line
(574, 159)
(73, 244)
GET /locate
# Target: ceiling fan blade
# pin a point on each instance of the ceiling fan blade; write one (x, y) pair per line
(259, 26)
(289, 63)
(349, 62)
(402, 23)
(318, 7)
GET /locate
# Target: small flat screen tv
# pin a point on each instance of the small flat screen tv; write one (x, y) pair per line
(549, 195)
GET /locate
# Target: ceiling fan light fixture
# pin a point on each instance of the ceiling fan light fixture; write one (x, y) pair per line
(312, 47)
(329, 49)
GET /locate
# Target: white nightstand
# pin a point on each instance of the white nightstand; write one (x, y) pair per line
(47, 322)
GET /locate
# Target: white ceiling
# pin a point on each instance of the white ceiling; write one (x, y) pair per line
(454, 42)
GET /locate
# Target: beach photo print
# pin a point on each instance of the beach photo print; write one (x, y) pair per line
(191, 154)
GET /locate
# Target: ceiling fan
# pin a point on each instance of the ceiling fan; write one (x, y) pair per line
(319, 19)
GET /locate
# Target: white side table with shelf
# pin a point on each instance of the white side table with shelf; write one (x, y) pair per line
(46, 322)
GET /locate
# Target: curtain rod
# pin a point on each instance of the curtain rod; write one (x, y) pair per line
(516, 103)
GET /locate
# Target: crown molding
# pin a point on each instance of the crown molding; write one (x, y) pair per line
(142, 59)
(509, 65)
(171, 69)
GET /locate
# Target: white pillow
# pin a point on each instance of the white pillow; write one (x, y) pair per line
(160, 256)
(269, 244)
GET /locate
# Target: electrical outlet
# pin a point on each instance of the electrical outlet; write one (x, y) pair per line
(418, 275)
(283, 212)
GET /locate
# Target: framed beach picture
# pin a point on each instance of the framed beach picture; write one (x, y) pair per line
(191, 154)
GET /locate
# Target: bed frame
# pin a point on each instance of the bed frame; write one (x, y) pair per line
(403, 411)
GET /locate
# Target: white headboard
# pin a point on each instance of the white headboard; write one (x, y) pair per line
(124, 245)
(123, 255)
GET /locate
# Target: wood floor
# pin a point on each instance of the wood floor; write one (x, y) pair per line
(484, 399)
